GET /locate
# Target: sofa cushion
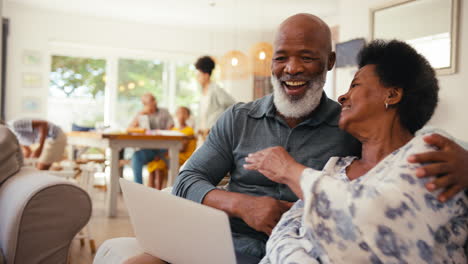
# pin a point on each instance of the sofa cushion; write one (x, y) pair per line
(11, 157)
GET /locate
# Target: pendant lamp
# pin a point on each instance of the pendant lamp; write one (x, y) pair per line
(234, 65)
(261, 54)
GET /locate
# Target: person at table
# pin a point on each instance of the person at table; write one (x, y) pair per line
(157, 118)
(49, 138)
(214, 100)
(158, 167)
(371, 208)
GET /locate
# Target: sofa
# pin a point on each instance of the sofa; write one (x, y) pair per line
(118, 250)
(40, 214)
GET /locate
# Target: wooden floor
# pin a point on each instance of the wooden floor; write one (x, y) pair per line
(102, 228)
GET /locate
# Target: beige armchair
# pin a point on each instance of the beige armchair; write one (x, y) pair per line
(40, 216)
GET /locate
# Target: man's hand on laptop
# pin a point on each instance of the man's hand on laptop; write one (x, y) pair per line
(263, 213)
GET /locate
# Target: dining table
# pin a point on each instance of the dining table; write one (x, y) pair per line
(115, 142)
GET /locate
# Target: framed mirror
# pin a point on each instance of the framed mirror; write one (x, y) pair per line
(430, 26)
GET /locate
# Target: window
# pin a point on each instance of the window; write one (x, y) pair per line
(87, 90)
(76, 91)
(187, 90)
(136, 77)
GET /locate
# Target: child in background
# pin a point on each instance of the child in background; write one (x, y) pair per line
(158, 168)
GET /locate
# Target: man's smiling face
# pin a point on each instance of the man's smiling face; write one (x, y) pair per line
(302, 56)
(298, 60)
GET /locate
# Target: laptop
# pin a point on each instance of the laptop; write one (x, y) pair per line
(178, 230)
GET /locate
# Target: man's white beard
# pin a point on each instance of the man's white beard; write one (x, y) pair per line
(296, 108)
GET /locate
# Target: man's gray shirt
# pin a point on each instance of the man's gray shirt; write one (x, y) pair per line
(161, 119)
(249, 127)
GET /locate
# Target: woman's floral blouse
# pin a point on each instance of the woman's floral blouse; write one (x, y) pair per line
(384, 216)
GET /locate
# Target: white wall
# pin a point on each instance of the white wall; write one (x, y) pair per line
(55, 33)
(49, 31)
(353, 20)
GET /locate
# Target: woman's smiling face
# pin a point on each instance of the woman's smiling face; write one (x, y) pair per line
(364, 103)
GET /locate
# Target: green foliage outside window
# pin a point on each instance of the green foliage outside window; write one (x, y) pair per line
(187, 90)
(74, 76)
(137, 77)
(81, 83)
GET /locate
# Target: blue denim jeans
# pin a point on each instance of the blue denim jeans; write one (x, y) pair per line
(142, 157)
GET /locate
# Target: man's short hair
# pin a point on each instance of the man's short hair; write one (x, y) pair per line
(397, 64)
(205, 64)
(148, 94)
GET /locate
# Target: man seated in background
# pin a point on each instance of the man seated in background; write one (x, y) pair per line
(50, 139)
(155, 118)
(158, 167)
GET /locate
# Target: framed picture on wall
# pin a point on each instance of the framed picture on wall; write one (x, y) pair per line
(346, 52)
(31, 80)
(30, 104)
(32, 58)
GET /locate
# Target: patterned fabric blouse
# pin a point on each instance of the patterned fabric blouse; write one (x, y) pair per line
(384, 216)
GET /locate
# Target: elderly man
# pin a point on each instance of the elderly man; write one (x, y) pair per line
(152, 117)
(300, 118)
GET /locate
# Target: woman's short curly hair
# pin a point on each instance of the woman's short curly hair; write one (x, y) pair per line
(205, 64)
(397, 64)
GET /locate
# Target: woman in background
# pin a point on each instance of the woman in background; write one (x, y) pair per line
(214, 100)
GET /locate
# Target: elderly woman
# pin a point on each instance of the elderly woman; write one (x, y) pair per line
(373, 208)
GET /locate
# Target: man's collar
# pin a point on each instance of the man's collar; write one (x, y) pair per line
(324, 112)
(264, 106)
(155, 111)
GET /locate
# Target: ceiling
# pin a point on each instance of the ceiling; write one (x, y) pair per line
(221, 14)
